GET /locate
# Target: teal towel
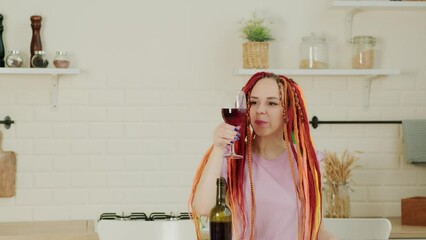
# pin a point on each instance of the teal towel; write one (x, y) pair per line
(414, 137)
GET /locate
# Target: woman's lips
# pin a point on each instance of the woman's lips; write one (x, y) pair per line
(260, 122)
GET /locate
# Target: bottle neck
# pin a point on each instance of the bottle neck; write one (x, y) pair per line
(220, 194)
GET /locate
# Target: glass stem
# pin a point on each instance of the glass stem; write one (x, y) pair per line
(232, 150)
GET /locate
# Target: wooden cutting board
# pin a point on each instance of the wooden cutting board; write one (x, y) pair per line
(7, 171)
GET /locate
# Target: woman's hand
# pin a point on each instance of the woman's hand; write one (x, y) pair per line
(225, 134)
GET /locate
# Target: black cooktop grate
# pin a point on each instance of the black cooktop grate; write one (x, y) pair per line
(154, 216)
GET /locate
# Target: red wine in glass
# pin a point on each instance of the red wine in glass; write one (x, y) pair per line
(235, 117)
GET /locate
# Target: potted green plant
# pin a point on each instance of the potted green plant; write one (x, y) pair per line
(256, 48)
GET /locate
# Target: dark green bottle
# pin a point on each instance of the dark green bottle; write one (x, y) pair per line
(220, 215)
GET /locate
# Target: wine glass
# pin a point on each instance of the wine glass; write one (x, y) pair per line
(235, 114)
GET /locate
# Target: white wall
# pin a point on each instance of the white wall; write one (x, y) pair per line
(131, 128)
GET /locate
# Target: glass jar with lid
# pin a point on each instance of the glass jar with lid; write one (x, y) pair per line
(313, 52)
(39, 60)
(363, 52)
(61, 60)
(14, 59)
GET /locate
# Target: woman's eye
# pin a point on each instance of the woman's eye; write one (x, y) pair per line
(252, 102)
(273, 103)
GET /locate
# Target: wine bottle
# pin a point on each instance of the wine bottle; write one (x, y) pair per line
(220, 215)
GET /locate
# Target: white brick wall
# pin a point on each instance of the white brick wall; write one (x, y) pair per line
(131, 128)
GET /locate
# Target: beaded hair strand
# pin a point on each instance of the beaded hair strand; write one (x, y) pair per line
(301, 152)
(308, 191)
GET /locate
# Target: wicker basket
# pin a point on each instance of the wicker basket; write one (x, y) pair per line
(256, 55)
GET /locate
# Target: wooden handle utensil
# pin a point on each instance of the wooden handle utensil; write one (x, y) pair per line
(7, 171)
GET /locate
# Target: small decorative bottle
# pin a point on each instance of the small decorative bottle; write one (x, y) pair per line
(14, 59)
(61, 60)
(39, 60)
(36, 39)
(1, 42)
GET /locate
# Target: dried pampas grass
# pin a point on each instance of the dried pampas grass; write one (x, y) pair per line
(338, 170)
(337, 173)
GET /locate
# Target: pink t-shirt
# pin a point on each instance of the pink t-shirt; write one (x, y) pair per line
(276, 203)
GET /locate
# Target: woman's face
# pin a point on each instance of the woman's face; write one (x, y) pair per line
(265, 109)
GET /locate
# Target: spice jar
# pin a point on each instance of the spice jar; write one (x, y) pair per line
(14, 59)
(363, 52)
(61, 60)
(313, 52)
(39, 59)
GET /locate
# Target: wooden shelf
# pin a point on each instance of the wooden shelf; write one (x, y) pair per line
(324, 72)
(379, 4)
(54, 72)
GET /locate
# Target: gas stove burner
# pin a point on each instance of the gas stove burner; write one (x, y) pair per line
(138, 216)
(132, 216)
(185, 216)
(163, 216)
(154, 216)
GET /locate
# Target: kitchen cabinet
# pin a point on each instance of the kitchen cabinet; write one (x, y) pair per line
(55, 73)
(368, 74)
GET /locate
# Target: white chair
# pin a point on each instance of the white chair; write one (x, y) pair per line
(358, 228)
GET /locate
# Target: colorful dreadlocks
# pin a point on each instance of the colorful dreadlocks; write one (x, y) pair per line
(308, 184)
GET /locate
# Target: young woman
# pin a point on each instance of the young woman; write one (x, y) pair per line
(274, 192)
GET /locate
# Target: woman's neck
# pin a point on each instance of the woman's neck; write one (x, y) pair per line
(268, 148)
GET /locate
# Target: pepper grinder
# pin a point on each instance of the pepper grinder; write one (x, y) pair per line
(36, 39)
(1, 42)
